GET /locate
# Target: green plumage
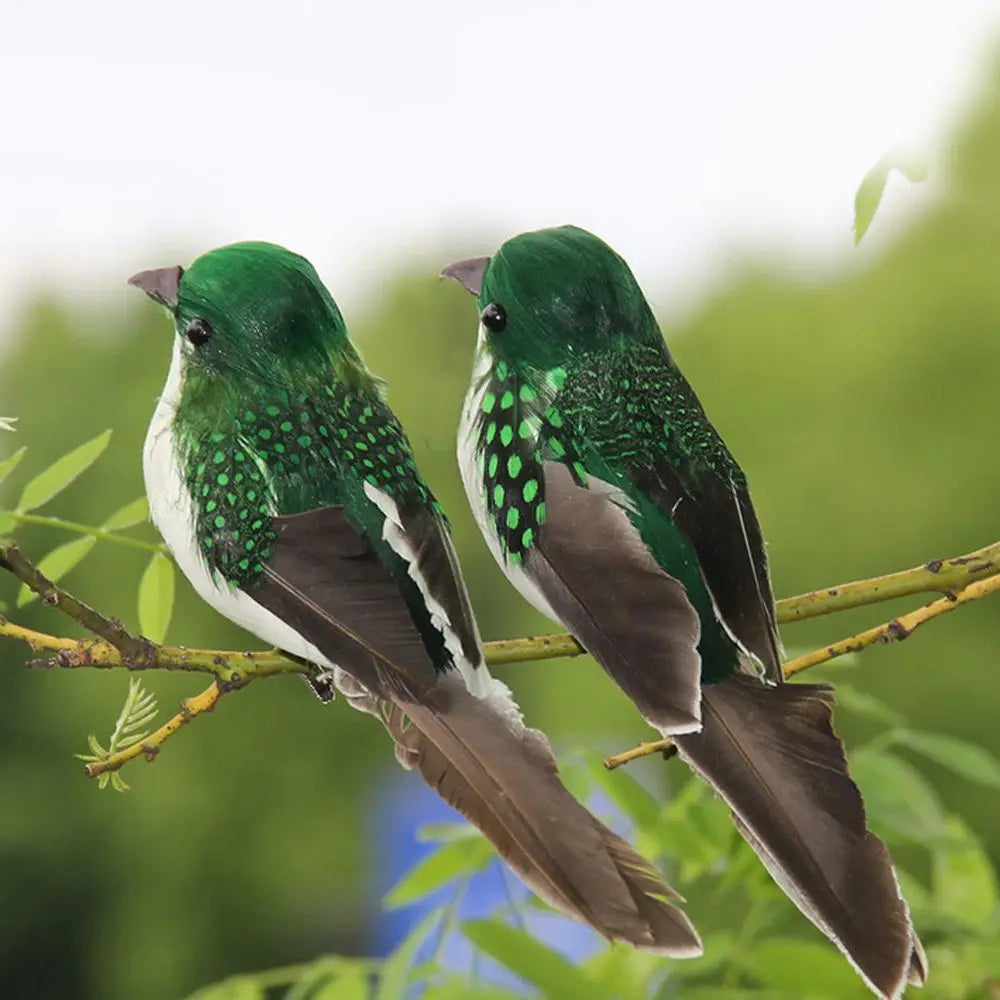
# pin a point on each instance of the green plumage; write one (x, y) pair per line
(250, 449)
(586, 380)
(650, 553)
(315, 450)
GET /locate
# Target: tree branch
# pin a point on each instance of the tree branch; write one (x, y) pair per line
(947, 576)
(150, 746)
(896, 630)
(962, 579)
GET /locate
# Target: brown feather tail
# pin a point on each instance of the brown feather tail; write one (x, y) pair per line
(503, 778)
(772, 755)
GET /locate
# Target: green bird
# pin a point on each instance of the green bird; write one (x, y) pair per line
(286, 490)
(613, 505)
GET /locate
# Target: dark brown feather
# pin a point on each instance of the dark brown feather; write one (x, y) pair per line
(326, 580)
(611, 594)
(503, 778)
(718, 519)
(772, 755)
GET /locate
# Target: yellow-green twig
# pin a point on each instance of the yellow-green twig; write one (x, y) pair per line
(946, 576)
(150, 746)
(895, 630)
(962, 579)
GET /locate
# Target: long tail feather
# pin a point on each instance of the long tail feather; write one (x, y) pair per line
(772, 755)
(503, 778)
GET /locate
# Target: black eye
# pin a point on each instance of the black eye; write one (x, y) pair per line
(198, 331)
(494, 317)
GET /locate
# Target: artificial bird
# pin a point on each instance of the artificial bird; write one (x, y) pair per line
(287, 493)
(615, 508)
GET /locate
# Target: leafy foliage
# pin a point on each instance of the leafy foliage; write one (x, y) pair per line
(861, 404)
(131, 727)
(773, 954)
(156, 588)
(872, 187)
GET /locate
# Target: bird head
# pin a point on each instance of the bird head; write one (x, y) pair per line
(554, 296)
(250, 313)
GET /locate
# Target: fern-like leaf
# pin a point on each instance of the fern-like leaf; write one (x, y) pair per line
(131, 727)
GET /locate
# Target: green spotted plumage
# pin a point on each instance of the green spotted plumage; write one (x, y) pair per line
(650, 553)
(317, 448)
(286, 491)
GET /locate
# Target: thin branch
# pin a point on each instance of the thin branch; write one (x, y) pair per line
(83, 529)
(947, 576)
(961, 579)
(896, 630)
(134, 650)
(540, 647)
(150, 746)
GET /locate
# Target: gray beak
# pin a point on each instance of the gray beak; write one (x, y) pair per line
(468, 273)
(161, 285)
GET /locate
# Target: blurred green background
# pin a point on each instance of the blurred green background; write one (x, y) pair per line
(862, 405)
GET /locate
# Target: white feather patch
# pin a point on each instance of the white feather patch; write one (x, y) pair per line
(172, 511)
(477, 678)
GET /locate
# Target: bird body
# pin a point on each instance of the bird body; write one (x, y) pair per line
(286, 490)
(615, 507)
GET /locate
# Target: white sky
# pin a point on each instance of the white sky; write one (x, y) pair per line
(138, 134)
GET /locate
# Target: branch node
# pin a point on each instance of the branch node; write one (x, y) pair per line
(896, 631)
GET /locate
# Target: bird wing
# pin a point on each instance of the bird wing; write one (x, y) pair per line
(327, 580)
(601, 581)
(714, 512)
(659, 447)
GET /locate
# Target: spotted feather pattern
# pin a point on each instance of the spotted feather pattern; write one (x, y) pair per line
(315, 447)
(519, 428)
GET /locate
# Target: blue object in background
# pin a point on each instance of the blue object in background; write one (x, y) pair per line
(403, 806)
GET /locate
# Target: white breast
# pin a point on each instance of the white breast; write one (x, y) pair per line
(172, 512)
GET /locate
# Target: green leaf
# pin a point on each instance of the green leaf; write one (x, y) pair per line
(626, 793)
(872, 186)
(627, 973)
(332, 978)
(956, 965)
(696, 830)
(237, 988)
(125, 517)
(394, 979)
(61, 473)
(965, 884)
(57, 564)
(719, 949)
(349, 984)
(915, 894)
(156, 597)
(966, 759)
(460, 988)
(803, 968)
(900, 804)
(728, 993)
(8, 465)
(528, 958)
(443, 833)
(457, 857)
(861, 703)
